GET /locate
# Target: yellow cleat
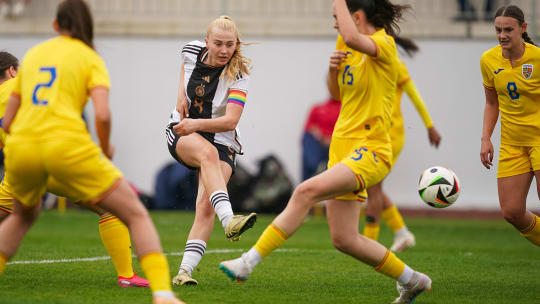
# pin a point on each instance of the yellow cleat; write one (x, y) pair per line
(184, 278)
(238, 224)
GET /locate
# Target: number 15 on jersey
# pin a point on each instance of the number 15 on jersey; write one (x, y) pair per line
(348, 77)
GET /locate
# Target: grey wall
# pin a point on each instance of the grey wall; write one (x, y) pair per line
(288, 78)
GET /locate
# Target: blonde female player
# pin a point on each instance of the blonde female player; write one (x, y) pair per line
(114, 234)
(202, 133)
(363, 76)
(379, 203)
(48, 138)
(512, 87)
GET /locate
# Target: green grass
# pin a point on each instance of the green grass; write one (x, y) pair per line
(470, 261)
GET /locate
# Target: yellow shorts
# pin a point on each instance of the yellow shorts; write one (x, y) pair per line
(6, 200)
(72, 167)
(515, 160)
(397, 135)
(369, 162)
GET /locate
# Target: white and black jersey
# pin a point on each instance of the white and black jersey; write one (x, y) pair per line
(207, 92)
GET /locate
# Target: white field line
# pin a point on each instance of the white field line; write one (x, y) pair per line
(103, 258)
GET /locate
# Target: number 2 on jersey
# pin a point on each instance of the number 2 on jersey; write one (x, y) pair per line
(348, 77)
(512, 90)
(52, 72)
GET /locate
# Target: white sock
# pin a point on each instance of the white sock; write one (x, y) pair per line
(402, 232)
(192, 255)
(406, 275)
(253, 257)
(222, 206)
(164, 294)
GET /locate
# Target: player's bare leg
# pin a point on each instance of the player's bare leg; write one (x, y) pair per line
(14, 228)
(197, 152)
(199, 235)
(513, 192)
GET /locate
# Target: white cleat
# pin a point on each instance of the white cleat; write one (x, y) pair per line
(408, 292)
(238, 269)
(403, 241)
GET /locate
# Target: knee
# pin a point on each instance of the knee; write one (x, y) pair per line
(512, 214)
(307, 191)
(341, 242)
(209, 154)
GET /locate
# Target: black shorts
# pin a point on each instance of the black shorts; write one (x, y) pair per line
(225, 153)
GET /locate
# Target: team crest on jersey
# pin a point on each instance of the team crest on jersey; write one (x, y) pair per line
(200, 90)
(527, 70)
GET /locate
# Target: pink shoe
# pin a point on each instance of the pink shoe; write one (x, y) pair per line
(134, 281)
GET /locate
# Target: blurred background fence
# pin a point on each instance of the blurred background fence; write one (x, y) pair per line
(311, 18)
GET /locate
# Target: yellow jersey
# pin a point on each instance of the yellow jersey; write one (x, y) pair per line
(397, 117)
(518, 90)
(5, 91)
(53, 83)
(367, 87)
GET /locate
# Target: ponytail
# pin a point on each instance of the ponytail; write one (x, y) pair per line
(516, 13)
(238, 64)
(408, 45)
(74, 16)
(527, 39)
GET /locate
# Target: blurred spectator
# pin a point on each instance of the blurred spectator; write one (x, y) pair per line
(12, 8)
(467, 12)
(317, 136)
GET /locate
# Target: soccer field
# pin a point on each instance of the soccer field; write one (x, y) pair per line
(470, 261)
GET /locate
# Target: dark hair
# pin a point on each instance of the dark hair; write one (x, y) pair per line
(74, 16)
(6, 61)
(380, 13)
(516, 13)
(408, 45)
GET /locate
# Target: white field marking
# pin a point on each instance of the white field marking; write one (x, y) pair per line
(103, 258)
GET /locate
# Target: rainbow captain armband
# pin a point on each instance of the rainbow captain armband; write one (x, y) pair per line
(237, 97)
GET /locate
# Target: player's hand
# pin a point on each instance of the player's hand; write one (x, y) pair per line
(110, 152)
(434, 137)
(337, 58)
(185, 127)
(182, 106)
(486, 153)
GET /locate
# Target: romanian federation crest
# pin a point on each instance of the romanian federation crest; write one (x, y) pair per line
(527, 70)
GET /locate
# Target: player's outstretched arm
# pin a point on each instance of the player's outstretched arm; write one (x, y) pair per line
(414, 95)
(349, 32)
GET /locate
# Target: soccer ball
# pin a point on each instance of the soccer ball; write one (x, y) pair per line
(439, 187)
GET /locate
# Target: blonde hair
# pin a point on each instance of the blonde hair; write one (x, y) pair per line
(238, 64)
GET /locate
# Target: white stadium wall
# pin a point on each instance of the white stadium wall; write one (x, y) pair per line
(287, 79)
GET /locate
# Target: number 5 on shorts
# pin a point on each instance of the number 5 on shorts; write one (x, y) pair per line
(52, 71)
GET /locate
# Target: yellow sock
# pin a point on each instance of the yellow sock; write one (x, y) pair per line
(156, 269)
(271, 239)
(3, 262)
(371, 230)
(393, 218)
(391, 266)
(532, 233)
(115, 237)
